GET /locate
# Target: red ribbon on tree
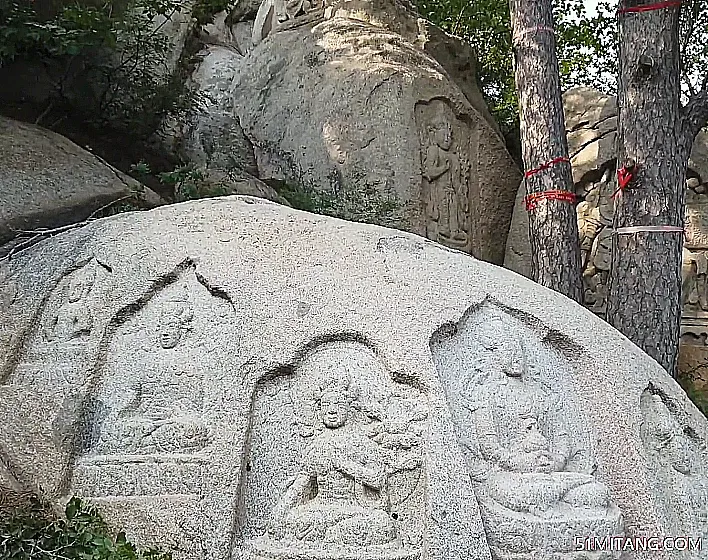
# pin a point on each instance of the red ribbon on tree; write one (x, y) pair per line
(649, 7)
(625, 175)
(563, 196)
(546, 165)
(533, 198)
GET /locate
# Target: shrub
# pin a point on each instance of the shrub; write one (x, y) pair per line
(36, 532)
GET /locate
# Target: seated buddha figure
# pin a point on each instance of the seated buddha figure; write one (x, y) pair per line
(339, 496)
(161, 411)
(73, 318)
(521, 444)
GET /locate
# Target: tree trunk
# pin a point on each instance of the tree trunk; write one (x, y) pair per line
(644, 299)
(553, 226)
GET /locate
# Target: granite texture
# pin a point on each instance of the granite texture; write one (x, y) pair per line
(233, 379)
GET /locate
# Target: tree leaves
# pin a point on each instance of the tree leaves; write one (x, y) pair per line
(36, 533)
(485, 24)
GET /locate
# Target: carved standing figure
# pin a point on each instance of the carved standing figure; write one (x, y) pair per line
(695, 282)
(73, 319)
(448, 197)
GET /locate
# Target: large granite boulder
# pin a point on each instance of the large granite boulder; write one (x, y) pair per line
(208, 135)
(232, 378)
(346, 104)
(47, 181)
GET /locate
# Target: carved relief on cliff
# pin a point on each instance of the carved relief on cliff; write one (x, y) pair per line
(449, 171)
(678, 461)
(60, 347)
(335, 466)
(528, 447)
(280, 15)
(151, 420)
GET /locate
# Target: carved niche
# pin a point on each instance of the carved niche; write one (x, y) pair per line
(678, 461)
(449, 171)
(60, 349)
(152, 433)
(528, 447)
(335, 462)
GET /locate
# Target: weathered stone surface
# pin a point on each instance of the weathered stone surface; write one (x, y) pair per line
(48, 181)
(236, 379)
(210, 136)
(344, 101)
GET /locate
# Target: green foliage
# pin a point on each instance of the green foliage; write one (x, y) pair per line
(186, 182)
(108, 60)
(486, 25)
(694, 45)
(586, 45)
(74, 29)
(37, 533)
(365, 204)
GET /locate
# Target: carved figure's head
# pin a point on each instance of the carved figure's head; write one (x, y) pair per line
(504, 352)
(512, 358)
(442, 133)
(173, 320)
(334, 407)
(81, 283)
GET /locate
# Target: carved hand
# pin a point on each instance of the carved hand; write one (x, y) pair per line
(537, 461)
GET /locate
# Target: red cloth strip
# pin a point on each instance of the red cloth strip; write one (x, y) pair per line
(533, 198)
(624, 177)
(650, 7)
(547, 165)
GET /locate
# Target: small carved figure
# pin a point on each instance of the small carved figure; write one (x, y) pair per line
(73, 319)
(523, 438)
(162, 412)
(296, 8)
(340, 498)
(348, 474)
(695, 282)
(278, 15)
(174, 318)
(682, 463)
(448, 195)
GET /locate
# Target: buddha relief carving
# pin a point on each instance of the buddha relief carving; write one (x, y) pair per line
(446, 176)
(679, 464)
(160, 411)
(694, 288)
(73, 318)
(338, 465)
(527, 452)
(344, 496)
(279, 15)
(446, 173)
(523, 439)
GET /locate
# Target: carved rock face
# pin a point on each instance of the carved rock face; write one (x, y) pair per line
(365, 110)
(338, 391)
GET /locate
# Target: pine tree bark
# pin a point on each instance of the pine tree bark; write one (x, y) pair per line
(553, 227)
(644, 295)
